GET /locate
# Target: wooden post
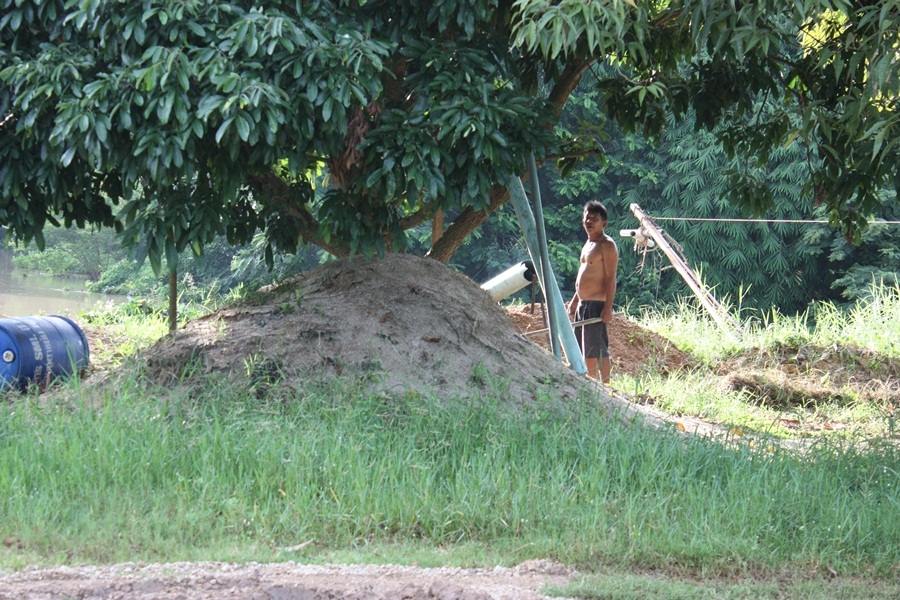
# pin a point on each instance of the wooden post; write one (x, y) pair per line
(173, 301)
(707, 300)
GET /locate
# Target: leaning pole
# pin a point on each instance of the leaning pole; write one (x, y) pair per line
(529, 229)
(538, 212)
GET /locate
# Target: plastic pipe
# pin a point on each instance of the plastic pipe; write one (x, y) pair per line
(510, 281)
(538, 212)
(529, 230)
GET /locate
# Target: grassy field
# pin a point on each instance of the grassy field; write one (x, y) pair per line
(872, 323)
(145, 472)
(862, 339)
(325, 470)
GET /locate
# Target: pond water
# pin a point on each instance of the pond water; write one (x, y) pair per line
(24, 294)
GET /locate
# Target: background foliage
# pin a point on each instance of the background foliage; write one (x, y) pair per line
(348, 125)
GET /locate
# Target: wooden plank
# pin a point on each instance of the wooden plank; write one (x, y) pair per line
(704, 296)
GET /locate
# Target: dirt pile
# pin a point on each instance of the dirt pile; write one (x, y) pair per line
(805, 374)
(409, 324)
(633, 349)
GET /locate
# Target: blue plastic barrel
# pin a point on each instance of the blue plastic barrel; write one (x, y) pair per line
(38, 349)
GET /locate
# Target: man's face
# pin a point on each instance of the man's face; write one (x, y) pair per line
(593, 223)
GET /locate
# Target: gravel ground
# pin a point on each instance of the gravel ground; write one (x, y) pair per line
(282, 581)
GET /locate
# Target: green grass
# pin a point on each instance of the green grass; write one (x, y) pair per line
(135, 471)
(699, 394)
(872, 323)
(694, 393)
(125, 330)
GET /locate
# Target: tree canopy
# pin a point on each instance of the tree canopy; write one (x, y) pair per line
(346, 122)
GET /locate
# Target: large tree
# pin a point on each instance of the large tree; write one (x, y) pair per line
(346, 122)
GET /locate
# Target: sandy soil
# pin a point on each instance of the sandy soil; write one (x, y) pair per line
(800, 375)
(632, 348)
(406, 324)
(282, 581)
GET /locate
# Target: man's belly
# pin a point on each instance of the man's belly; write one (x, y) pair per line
(590, 292)
(590, 282)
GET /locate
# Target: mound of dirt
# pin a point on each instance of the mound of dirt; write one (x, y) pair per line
(408, 324)
(633, 349)
(800, 375)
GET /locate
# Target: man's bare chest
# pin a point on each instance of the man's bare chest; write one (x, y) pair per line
(592, 253)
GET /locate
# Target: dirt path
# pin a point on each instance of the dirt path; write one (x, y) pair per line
(282, 581)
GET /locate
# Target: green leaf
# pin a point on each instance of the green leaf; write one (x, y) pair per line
(183, 79)
(100, 130)
(243, 126)
(171, 256)
(67, 157)
(164, 108)
(223, 128)
(209, 104)
(155, 260)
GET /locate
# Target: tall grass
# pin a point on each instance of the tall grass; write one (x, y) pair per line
(176, 473)
(872, 323)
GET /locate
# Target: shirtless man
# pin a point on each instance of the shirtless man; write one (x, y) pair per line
(595, 288)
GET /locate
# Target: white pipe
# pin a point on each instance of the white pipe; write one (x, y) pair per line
(510, 281)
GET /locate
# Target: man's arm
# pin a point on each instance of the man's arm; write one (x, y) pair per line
(573, 305)
(611, 258)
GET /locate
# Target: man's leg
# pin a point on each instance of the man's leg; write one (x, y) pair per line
(593, 370)
(604, 368)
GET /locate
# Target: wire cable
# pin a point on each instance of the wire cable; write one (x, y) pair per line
(738, 220)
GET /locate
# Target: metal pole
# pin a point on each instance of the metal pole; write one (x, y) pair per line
(545, 253)
(526, 222)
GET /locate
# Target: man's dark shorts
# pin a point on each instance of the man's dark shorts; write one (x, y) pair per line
(592, 339)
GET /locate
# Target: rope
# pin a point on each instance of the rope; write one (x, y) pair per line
(737, 220)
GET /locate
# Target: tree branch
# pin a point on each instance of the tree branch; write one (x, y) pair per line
(574, 154)
(566, 84)
(420, 216)
(280, 195)
(470, 219)
(467, 221)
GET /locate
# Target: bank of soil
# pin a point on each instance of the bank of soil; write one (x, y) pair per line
(283, 581)
(405, 324)
(633, 349)
(787, 375)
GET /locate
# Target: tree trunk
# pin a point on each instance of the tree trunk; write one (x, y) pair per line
(465, 223)
(5, 254)
(437, 227)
